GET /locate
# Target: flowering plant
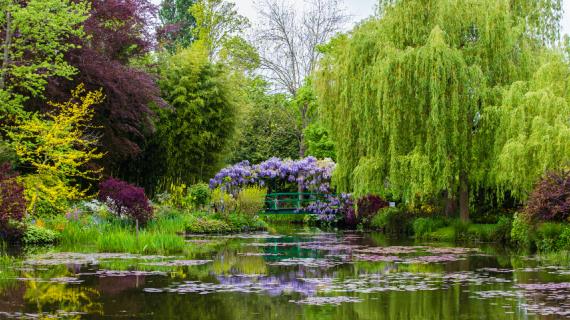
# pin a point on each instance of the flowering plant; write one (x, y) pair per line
(333, 209)
(309, 173)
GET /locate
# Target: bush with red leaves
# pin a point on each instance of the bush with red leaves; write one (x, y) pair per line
(126, 200)
(550, 199)
(12, 204)
(368, 206)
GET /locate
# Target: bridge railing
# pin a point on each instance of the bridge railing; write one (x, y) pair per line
(291, 202)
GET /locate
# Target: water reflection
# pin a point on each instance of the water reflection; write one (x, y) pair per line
(296, 274)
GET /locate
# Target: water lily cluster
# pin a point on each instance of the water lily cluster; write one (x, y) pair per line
(311, 174)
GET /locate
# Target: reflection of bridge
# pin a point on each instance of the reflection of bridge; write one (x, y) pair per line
(291, 202)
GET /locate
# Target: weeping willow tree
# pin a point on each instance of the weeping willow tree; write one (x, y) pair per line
(419, 101)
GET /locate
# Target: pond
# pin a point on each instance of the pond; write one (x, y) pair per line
(286, 274)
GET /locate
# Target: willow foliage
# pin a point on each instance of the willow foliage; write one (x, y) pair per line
(438, 95)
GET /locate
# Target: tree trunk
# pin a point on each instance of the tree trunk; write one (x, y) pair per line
(7, 44)
(450, 203)
(463, 197)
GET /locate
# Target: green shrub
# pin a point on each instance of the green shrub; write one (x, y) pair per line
(223, 202)
(520, 233)
(200, 195)
(548, 236)
(423, 227)
(240, 223)
(447, 234)
(176, 196)
(461, 230)
(480, 232)
(38, 235)
(564, 239)
(503, 229)
(391, 221)
(251, 200)
(207, 225)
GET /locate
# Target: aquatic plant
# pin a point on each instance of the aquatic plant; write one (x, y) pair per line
(126, 200)
(123, 240)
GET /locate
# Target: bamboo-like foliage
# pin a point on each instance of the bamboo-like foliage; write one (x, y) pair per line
(438, 95)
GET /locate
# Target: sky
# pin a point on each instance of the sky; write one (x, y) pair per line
(360, 9)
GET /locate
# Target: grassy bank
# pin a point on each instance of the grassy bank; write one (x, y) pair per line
(162, 235)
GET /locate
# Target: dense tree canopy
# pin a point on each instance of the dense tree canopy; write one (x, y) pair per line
(267, 126)
(117, 32)
(177, 23)
(32, 50)
(408, 99)
(194, 132)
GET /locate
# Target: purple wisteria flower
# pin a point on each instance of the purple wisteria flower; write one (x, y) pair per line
(311, 174)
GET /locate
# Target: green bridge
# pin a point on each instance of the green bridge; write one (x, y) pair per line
(291, 202)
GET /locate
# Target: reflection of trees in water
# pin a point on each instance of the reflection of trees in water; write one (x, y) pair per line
(50, 297)
(227, 261)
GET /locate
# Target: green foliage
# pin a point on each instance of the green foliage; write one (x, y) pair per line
(192, 136)
(176, 14)
(267, 127)
(217, 22)
(521, 232)
(39, 235)
(251, 200)
(77, 233)
(245, 223)
(176, 196)
(552, 237)
(207, 225)
(223, 202)
(7, 153)
(305, 103)
(414, 100)
(36, 37)
(446, 234)
(481, 233)
(563, 242)
(392, 221)
(319, 144)
(503, 230)
(423, 227)
(531, 130)
(58, 147)
(147, 242)
(200, 194)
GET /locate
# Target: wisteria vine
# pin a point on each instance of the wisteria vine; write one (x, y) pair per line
(311, 174)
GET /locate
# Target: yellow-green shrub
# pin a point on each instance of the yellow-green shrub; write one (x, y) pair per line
(223, 202)
(251, 200)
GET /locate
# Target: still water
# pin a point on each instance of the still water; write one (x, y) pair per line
(286, 274)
